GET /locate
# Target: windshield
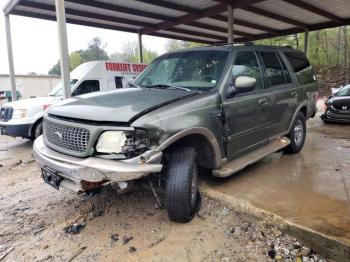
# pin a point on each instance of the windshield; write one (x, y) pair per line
(191, 70)
(58, 89)
(345, 91)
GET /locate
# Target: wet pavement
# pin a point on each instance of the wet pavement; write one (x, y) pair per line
(311, 188)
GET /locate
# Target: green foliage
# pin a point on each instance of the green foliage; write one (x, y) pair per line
(130, 53)
(94, 52)
(173, 45)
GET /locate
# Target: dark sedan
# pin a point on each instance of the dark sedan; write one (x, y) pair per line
(338, 107)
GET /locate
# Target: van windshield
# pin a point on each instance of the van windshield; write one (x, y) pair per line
(189, 70)
(58, 91)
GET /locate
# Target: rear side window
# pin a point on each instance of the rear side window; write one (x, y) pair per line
(88, 86)
(273, 68)
(246, 64)
(302, 67)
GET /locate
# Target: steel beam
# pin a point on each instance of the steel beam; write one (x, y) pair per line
(10, 58)
(306, 41)
(63, 43)
(140, 46)
(230, 33)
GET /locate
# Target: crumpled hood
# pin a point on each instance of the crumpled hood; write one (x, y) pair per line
(123, 105)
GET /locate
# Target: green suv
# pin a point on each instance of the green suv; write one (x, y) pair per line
(217, 108)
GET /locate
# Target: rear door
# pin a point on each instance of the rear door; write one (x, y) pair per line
(282, 92)
(246, 113)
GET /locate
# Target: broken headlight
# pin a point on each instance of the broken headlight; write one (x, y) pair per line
(122, 144)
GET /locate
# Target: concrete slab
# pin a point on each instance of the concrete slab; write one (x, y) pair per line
(310, 189)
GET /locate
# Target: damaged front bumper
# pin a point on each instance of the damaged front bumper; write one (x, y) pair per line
(81, 174)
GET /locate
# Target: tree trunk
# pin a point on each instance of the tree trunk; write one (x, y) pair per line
(296, 40)
(346, 53)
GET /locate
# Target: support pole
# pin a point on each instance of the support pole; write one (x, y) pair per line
(63, 43)
(306, 41)
(230, 29)
(10, 58)
(140, 46)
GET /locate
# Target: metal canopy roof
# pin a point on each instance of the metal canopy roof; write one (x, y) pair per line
(195, 20)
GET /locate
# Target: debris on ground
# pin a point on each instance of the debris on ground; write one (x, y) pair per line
(132, 249)
(76, 253)
(6, 253)
(115, 237)
(126, 240)
(74, 229)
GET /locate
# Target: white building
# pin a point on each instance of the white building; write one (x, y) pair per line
(30, 85)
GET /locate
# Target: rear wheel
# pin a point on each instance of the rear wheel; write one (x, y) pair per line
(297, 134)
(182, 197)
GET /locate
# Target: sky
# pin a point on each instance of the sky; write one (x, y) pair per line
(35, 42)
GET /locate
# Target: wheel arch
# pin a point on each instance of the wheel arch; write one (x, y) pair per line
(301, 108)
(203, 140)
(32, 128)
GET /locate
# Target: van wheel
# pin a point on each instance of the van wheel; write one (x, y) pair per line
(182, 196)
(38, 129)
(297, 134)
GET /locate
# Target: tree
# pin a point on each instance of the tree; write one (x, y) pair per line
(130, 53)
(173, 45)
(94, 52)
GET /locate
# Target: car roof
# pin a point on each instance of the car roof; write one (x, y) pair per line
(248, 46)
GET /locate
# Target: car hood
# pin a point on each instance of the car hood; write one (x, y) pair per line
(123, 105)
(340, 101)
(31, 102)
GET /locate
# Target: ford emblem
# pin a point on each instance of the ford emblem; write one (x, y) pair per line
(58, 135)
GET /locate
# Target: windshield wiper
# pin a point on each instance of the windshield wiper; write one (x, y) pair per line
(165, 86)
(133, 85)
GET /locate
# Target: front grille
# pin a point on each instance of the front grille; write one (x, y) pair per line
(6, 113)
(67, 137)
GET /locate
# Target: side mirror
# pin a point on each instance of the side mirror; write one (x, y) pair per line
(245, 83)
(242, 84)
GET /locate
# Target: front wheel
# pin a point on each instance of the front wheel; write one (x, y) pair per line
(38, 129)
(297, 134)
(182, 197)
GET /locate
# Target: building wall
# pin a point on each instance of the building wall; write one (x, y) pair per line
(30, 85)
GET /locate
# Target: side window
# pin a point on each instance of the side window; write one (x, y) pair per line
(88, 86)
(118, 82)
(285, 70)
(273, 68)
(301, 66)
(246, 64)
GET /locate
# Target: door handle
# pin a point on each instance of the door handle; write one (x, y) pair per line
(294, 94)
(262, 101)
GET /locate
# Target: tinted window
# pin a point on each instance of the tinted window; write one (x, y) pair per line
(118, 82)
(273, 68)
(301, 66)
(285, 70)
(88, 86)
(246, 64)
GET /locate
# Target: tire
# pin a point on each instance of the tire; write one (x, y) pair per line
(182, 196)
(297, 135)
(38, 129)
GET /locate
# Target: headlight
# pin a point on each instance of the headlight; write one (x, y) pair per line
(19, 113)
(125, 144)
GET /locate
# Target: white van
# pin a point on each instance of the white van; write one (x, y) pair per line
(23, 118)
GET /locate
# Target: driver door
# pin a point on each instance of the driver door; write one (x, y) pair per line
(246, 113)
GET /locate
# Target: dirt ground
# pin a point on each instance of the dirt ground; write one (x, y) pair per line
(34, 218)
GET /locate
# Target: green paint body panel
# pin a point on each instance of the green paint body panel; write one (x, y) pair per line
(239, 123)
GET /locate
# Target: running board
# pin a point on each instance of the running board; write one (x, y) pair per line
(239, 163)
